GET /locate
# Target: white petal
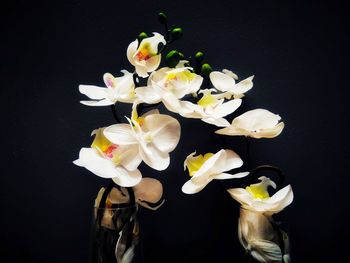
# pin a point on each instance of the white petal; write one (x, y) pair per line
(191, 188)
(120, 134)
(165, 131)
(210, 167)
(256, 119)
(132, 48)
(226, 108)
(230, 73)
(281, 199)
(130, 157)
(93, 92)
(243, 86)
(219, 122)
(269, 133)
(154, 158)
(171, 102)
(241, 196)
(147, 95)
(232, 161)
(221, 81)
(232, 131)
(91, 160)
(153, 63)
(104, 102)
(141, 70)
(224, 176)
(127, 178)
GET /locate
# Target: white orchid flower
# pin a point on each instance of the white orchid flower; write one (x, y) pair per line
(209, 108)
(258, 123)
(145, 57)
(154, 135)
(109, 160)
(256, 197)
(257, 235)
(117, 89)
(169, 85)
(225, 82)
(205, 168)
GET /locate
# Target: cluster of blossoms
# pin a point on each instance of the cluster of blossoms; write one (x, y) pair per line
(117, 150)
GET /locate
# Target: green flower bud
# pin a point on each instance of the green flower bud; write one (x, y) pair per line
(206, 70)
(176, 33)
(141, 36)
(162, 18)
(172, 58)
(199, 57)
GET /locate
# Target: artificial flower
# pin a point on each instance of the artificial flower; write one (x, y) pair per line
(145, 57)
(209, 108)
(169, 85)
(257, 235)
(117, 89)
(154, 135)
(205, 168)
(256, 197)
(258, 123)
(225, 82)
(109, 160)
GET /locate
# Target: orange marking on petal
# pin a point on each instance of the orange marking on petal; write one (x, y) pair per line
(109, 151)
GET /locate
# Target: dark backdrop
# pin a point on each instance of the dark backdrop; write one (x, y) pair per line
(294, 48)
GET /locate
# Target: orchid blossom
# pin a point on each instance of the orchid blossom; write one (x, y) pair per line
(210, 108)
(154, 135)
(256, 197)
(117, 89)
(109, 160)
(258, 123)
(169, 85)
(225, 82)
(145, 57)
(205, 168)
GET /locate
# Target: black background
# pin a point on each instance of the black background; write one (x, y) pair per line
(295, 49)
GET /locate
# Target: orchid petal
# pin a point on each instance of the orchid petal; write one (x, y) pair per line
(93, 92)
(120, 134)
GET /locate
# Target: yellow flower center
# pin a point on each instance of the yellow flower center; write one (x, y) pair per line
(105, 147)
(184, 75)
(135, 117)
(207, 100)
(259, 190)
(195, 163)
(144, 52)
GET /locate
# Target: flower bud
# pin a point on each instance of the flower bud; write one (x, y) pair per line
(141, 36)
(176, 33)
(173, 58)
(206, 70)
(162, 18)
(199, 57)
